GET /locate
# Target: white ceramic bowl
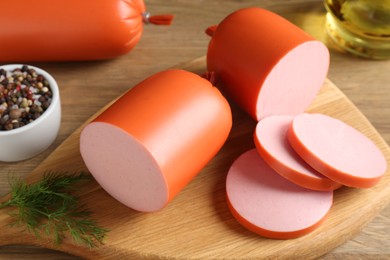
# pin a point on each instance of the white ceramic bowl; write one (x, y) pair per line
(33, 138)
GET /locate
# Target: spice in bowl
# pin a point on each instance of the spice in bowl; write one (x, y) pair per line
(24, 96)
(30, 111)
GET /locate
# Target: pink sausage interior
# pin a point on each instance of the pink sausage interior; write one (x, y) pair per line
(271, 203)
(293, 83)
(123, 167)
(272, 143)
(338, 150)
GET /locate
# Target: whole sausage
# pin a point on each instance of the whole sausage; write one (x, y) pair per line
(152, 141)
(71, 30)
(267, 65)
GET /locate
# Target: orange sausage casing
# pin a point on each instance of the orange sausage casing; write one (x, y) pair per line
(47, 30)
(152, 141)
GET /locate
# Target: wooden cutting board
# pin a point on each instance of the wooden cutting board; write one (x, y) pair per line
(197, 223)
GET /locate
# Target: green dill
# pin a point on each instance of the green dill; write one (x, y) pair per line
(47, 208)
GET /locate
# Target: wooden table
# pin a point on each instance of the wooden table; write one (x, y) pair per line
(88, 86)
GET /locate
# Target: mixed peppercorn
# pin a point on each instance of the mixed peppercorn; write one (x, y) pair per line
(24, 96)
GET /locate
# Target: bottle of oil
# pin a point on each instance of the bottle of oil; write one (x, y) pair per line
(361, 27)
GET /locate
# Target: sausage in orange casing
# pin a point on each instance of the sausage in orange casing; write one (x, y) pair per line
(266, 64)
(71, 30)
(152, 141)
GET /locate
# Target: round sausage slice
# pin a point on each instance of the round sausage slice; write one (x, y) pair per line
(271, 142)
(337, 150)
(266, 64)
(270, 205)
(152, 141)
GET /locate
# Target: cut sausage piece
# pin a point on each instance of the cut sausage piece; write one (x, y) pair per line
(271, 142)
(153, 140)
(270, 205)
(266, 64)
(337, 150)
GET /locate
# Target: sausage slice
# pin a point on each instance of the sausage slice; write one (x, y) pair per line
(271, 142)
(270, 205)
(337, 150)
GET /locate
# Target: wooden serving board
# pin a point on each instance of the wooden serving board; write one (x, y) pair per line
(197, 223)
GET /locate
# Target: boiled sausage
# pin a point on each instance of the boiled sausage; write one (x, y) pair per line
(69, 30)
(152, 141)
(337, 150)
(270, 205)
(271, 142)
(267, 65)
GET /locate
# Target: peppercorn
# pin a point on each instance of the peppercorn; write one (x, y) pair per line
(15, 113)
(24, 68)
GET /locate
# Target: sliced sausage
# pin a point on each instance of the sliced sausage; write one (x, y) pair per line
(152, 141)
(337, 150)
(271, 142)
(270, 205)
(267, 65)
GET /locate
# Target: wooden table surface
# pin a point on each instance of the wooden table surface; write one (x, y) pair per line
(87, 86)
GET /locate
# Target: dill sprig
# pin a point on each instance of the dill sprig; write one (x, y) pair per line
(47, 208)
